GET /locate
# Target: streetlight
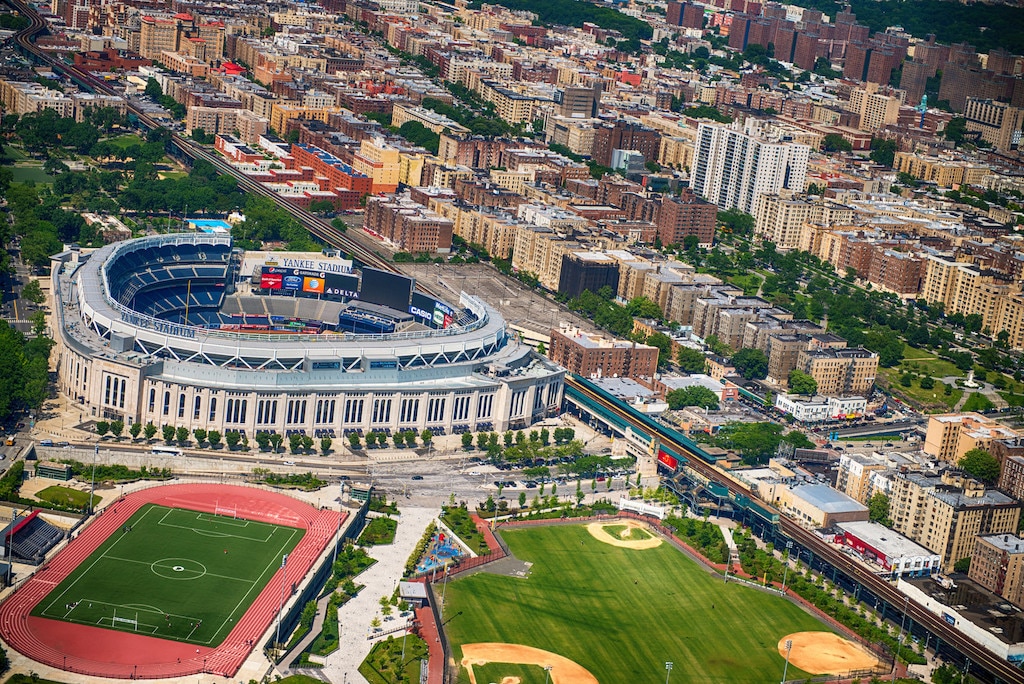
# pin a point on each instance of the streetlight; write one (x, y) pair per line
(547, 673)
(785, 670)
(785, 573)
(668, 670)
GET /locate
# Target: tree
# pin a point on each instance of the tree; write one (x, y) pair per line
(213, 437)
(307, 443)
(543, 351)
(325, 445)
(522, 499)
(353, 440)
(116, 428)
(275, 441)
(153, 89)
(752, 364)
(963, 565)
(135, 430)
(664, 344)
(883, 151)
(263, 440)
(834, 142)
(168, 433)
(690, 360)
(695, 395)
(295, 442)
(878, 509)
(980, 465)
(398, 438)
(149, 430)
(102, 427)
(200, 434)
(802, 383)
(427, 436)
(371, 439)
(927, 382)
(33, 292)
(481, 440)
(467, 440)
(232, 437)
(182, 434)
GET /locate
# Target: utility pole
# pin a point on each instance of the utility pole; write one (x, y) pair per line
(280, 610)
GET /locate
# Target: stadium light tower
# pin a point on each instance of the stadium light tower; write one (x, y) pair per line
(547, 673)
(785, 670)
(92, 485)
(280, 609)
(668, 670)
(785, 574)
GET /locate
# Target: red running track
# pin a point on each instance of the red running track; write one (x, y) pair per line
(109, 653)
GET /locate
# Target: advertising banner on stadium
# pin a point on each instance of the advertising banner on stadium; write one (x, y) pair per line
(343, 285)
(292, 282)
(271, 281)
(314, 285)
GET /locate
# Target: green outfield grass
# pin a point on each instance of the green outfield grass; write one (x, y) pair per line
(176, 574)
(623, 613)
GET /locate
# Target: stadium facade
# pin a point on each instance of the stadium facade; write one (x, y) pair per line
(172, 330)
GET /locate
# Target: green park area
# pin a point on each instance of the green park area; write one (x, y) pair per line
(621, 613)
(66, 496)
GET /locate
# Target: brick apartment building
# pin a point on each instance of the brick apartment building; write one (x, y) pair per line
(595, 356)
(686, 215)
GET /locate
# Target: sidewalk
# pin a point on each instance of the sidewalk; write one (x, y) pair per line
(380, 580)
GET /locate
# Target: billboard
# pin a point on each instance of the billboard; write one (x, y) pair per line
(422, 307)
(271, 281)
(314, 285)
(667, 460)
(311, 282)
(387, 289)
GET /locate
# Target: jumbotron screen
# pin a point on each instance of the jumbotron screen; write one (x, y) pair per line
(386, 289)
(310, 282)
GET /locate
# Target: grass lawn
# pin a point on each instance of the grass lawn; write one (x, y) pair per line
(177, 574)
(123, 141)
(622, 613)
(923, 362)
(384, 664)
(34, 173)
(66, 496)
(750, 283)
(934, 400)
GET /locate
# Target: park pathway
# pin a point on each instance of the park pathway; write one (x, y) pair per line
(380, 579)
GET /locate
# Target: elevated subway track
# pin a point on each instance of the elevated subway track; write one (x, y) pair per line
(983, 663)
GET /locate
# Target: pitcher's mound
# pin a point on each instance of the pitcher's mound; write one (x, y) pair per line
(598, 531)
(826, 653)
(563, 670)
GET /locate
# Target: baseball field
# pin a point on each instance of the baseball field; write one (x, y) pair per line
(606, 612)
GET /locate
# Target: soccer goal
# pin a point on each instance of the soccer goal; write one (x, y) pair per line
(228, 512)
(118, 620)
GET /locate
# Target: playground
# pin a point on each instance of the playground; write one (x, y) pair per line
(441, 551)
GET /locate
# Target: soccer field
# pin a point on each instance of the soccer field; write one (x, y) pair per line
(621, 614)
(174, 574)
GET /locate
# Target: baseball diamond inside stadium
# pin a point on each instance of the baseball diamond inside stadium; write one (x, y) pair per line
(187, 331)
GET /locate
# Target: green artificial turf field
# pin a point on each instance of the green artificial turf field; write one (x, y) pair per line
(622, 613)
(175, 574)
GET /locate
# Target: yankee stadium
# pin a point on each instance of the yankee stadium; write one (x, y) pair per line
(184, 330)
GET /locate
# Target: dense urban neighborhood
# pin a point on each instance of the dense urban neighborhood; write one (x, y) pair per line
(417, 315)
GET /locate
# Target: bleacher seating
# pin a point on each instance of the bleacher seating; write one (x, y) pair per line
(34, 540)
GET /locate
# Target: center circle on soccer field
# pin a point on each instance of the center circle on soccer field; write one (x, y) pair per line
(178, 568)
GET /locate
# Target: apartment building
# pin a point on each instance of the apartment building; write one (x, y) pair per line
(686, 215)
(946, 513)
(944, 172)
(854, 476)
(999, 123)
(965, 288)
(952, 435)
(596, 356)
(998, 565)
(780, 219)
(733, 167)
(874, 109)
(840, 372)
(25, 98)
(408, 225)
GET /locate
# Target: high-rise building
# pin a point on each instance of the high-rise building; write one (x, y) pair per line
(999, 123)
(684, 216)
(624, 135)
(875, 109)
(576, 101)
(734, 166)
(685, 14)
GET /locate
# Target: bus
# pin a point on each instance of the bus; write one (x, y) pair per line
(166, 450)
